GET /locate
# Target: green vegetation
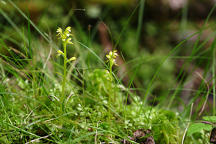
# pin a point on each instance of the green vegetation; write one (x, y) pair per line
(106, 83)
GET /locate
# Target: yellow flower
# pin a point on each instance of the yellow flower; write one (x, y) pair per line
(65, 36)
(69, 41)
(60, 53)
(72, 59)
(112, 57)
(59, 32)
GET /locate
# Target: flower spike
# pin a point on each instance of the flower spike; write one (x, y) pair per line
(65, 35)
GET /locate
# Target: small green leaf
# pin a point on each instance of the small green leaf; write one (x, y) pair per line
(210, 118)
(198, 127)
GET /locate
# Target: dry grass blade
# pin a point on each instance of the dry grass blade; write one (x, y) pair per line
(191, 111)
(37, 140)
(203, 107)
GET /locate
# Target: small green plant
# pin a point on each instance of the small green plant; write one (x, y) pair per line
(65, 36)
(112, 61)
(207, 124)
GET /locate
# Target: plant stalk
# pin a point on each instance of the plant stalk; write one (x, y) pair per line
(64, 77)
(213, 75)
(110, 69)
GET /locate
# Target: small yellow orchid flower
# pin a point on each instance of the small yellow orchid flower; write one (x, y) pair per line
(72, 59)
(60, 53)
(112, 60)
(65, 35)
(112, 57)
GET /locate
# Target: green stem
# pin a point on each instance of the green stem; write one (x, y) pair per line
(110, 95)
(62, 100)
(213, 75)
(111, 70)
